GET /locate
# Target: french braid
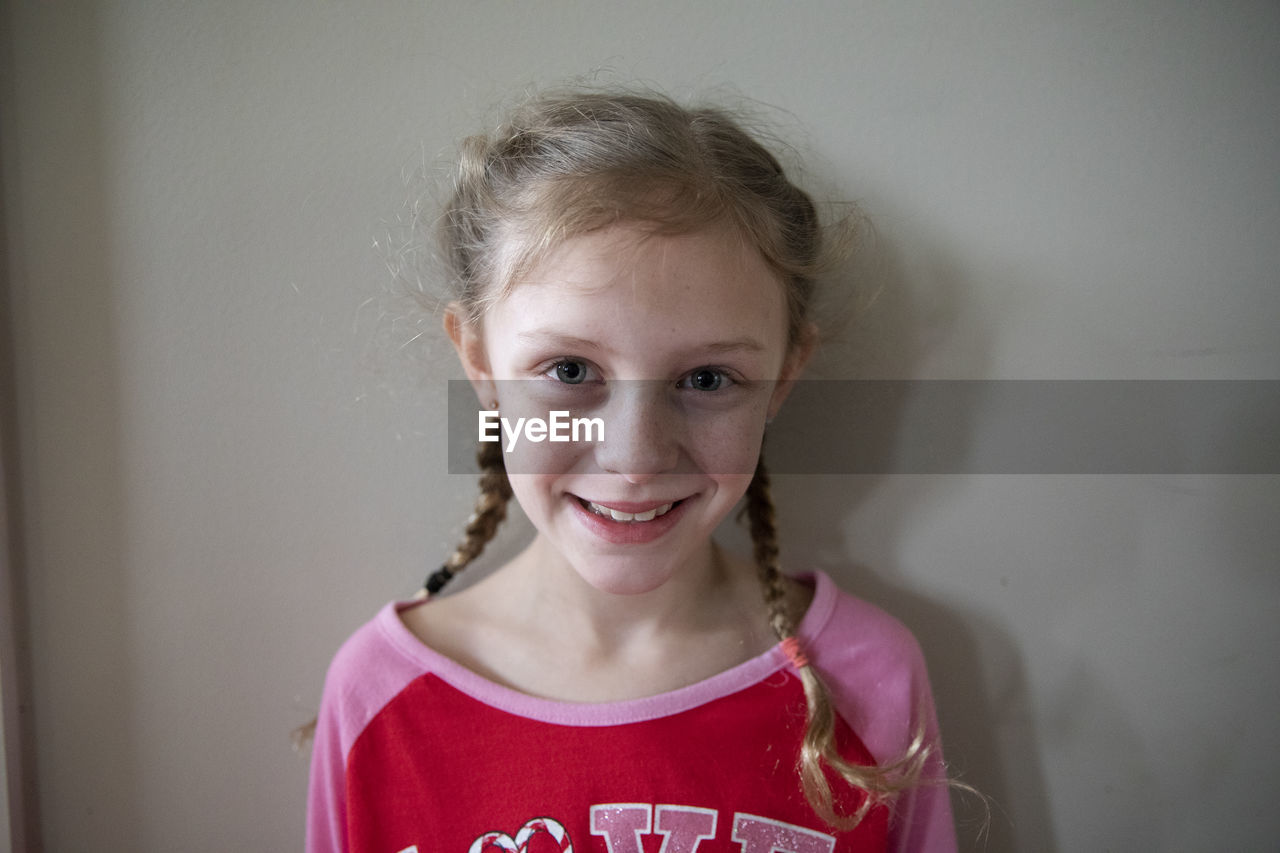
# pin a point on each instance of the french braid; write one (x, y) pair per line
(491, 509)
(880, 783)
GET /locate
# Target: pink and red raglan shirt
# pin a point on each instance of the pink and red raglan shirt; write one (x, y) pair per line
(414, 752)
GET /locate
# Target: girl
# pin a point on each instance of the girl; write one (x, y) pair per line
(623, 683)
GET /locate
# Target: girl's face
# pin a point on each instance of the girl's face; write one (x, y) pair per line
(678, 344)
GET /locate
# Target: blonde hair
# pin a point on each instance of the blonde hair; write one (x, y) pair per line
(569, 163)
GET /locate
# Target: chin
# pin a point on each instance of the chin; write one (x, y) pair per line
(621, 576)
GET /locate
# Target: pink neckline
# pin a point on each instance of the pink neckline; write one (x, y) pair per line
(736, 678)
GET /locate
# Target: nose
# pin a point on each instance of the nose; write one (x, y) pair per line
(642, 431)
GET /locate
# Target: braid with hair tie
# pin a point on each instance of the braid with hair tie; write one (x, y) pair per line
(818, 748)
(491, 509)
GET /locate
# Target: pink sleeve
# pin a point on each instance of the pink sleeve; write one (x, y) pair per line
(370, 669)
(876, 674)
(326, 796)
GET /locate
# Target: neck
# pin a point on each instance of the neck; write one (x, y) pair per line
(537, 626)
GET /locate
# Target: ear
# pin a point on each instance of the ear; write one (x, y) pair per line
(793, 366)
(468, 342)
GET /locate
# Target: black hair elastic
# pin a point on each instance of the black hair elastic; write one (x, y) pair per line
(437, 580)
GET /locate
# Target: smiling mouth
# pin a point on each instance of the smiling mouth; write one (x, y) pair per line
(634, 517)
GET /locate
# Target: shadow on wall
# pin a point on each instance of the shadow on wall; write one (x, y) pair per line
(81, 790)
(977, 673)
(17, 756)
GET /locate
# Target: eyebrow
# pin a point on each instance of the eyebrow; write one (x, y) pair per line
(572, 342)
(735, 345)
(568, 342)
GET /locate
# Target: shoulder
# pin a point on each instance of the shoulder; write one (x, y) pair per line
(871, 664)
(367, 672)
(374, 665)
(848, 629)
(875, 672)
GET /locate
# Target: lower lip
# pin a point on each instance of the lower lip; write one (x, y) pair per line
(628, 532)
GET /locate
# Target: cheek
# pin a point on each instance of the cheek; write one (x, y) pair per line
(532, 492)
(725, 451)
(726, 443)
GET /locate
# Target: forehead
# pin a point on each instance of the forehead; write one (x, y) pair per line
(710, 282)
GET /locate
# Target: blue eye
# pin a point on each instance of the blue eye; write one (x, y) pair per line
(571, 372)
(706, 379)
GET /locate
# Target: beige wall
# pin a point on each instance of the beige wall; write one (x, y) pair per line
(225, 467)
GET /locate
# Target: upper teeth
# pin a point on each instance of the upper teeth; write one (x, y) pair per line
(647, 515)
